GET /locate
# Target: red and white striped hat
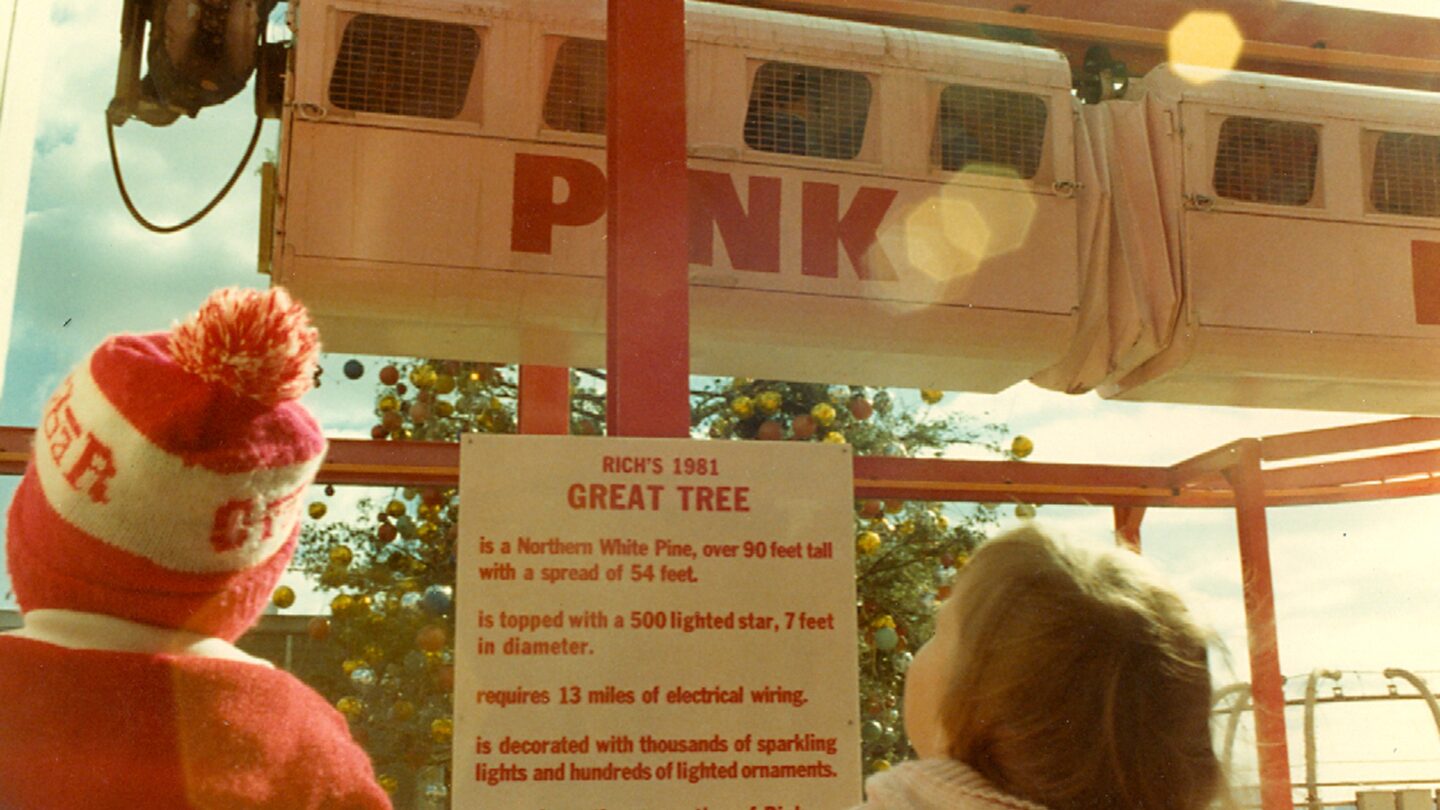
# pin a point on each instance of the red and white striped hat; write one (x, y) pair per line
(167, 474)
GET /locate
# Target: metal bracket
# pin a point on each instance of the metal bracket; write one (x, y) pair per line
(1067, 188)
(1199, 202)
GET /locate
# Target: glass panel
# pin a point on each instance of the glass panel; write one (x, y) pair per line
(988, 130)
(805, 110)
(403, 66)
(1266, 161)
(575, 99)
(1406, 175)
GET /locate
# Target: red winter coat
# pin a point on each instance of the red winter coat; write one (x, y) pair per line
(95, 729)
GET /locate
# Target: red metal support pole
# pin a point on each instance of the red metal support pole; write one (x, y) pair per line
(1266, 681)
(648, 289)
(1127, 526)
(544, 400)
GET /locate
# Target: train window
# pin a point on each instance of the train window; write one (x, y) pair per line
(404, 66)
(575, 97)
(1266, 161)
(806, 110)
(982, 129)
(1406, 175)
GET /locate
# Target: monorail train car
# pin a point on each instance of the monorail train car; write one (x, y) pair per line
(867, 204)
(1309, 219)
(442, 192)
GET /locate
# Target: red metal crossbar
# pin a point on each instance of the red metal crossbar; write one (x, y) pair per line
(1196, 482)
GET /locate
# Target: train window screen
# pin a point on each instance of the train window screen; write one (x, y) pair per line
(404, 66)
(1266, 161)
(575, 97)
(1406, 175)
(982, 129)
(807, 110)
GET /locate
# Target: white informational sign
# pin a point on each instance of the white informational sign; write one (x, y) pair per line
(655, 624)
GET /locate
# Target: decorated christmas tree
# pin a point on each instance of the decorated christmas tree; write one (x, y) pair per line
(391, 568)
(906, 552)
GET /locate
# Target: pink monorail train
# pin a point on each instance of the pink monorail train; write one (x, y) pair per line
(869, 205)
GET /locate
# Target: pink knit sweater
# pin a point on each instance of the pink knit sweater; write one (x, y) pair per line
(937, 784)
(97, 729)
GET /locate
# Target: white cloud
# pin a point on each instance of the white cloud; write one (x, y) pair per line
(1087, 429)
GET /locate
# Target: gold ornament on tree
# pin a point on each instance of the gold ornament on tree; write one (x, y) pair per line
(350, 706)
(441, 728)
(342, 604)
(1021, 447)
(423, 376)
(823, 413)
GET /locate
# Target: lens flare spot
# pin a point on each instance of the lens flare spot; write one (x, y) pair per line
(1204, 45)
(954, 232)
(946, 237)
(942, 243)
(1008, 218)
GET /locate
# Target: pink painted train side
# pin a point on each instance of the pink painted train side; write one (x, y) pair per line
(867, 205)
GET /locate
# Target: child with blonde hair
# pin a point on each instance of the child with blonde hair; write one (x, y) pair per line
(1057, 677)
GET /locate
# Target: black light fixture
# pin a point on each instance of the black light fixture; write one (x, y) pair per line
(200, 53)
(1101, 77)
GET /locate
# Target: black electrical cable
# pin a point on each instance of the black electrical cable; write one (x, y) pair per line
(210, 206)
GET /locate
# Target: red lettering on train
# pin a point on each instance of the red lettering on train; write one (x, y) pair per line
(752, 238)
(1425, 272)
(823, 227)
(751, 232)
(537, 212)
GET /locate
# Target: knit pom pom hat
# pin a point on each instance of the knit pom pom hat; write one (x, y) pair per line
(166, 477)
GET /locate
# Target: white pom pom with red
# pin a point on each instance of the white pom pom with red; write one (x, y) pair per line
(257, 343)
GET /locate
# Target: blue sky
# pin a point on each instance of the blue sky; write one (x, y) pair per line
(1355, 584)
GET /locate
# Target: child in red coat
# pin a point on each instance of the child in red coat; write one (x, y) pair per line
(160, 506)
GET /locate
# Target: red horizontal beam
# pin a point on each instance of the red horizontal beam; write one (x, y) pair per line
(1002, 481)
(1352, 493)
(14, 449)
(1350, 472)
(1350, 438)
(436, 463)
(389, 463)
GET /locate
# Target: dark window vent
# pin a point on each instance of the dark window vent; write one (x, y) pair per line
(404, 66)
(806, 110)
(1406, 175)
(575, 97)
(990, 131)
(1262, 160)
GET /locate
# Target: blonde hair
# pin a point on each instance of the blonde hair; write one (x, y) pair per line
(1081, 683)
